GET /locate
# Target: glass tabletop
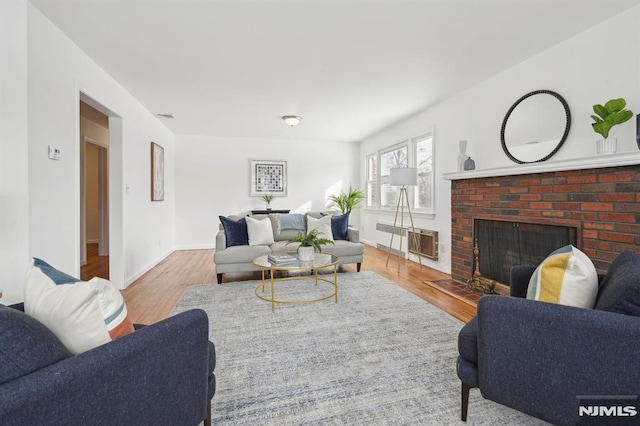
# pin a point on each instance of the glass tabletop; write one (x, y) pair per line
(289, 261)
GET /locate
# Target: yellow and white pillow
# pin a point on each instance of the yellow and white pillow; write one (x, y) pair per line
(82, 314)
(566, 277)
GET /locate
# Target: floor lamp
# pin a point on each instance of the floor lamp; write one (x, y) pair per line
(403, 177)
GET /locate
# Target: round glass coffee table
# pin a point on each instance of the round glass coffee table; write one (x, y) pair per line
(289, 262)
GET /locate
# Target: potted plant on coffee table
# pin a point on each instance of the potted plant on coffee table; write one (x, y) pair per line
(309, 244)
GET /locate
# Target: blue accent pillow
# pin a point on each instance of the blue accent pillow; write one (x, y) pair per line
(620, 289)
(235, 231)
(340, 226)
(27, 345)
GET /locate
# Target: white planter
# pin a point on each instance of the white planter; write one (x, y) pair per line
(606, 146)
(305, 254)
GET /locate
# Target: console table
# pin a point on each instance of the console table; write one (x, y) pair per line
(269, 211)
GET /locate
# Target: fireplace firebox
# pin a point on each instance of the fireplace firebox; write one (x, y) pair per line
(503, 244)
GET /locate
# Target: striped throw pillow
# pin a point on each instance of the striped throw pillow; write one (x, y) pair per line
(82, 314)
(566, 277)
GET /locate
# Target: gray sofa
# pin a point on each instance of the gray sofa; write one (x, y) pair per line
(240, 258)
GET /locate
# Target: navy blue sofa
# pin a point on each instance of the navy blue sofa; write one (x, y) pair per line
(162, 374)
(545, 359)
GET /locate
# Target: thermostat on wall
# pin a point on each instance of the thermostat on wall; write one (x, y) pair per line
(55, 153)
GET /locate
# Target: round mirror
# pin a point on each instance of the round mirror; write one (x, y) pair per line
(535, 127)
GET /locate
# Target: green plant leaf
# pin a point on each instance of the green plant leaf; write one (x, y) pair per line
(622, 116)
(601, 111)
(615, 105)
(596, 119)
(602, 128)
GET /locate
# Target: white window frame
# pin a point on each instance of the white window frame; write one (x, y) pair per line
(382, 180)
(368, 181)
(412, 160)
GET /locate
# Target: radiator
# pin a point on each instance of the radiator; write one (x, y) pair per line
(423, 242)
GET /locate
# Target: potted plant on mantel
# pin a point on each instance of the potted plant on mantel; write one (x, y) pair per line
(349, 200)
(309, 244)
(267, 198)
(608, 115)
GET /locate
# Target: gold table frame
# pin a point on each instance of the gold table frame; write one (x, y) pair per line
(320, 261)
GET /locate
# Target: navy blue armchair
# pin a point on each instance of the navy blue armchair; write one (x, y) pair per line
(542, 358)
(161, 374)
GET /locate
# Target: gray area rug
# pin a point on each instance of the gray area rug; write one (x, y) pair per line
(379, 356)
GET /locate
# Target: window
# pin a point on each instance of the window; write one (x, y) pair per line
(416, 152)
(423, 161)
(396, 156)
(372, 179)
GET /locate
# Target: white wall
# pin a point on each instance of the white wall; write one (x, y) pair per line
(592, 67)
(42, 75)
(14, 226)
(212, 179)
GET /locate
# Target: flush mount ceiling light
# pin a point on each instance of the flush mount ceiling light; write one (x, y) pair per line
(291, 120)
(163, 115)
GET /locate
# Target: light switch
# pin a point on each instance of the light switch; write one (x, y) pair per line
(55, 153)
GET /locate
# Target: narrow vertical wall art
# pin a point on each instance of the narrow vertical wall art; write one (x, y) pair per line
(157, 172)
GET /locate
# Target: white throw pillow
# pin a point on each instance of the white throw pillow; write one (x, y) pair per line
(323, 225)
(81, 314)
(566, 277)
(260, 231)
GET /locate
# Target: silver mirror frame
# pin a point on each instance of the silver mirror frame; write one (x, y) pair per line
(513, 107)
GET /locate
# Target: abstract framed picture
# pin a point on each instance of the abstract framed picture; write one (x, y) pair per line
(268, 177)
(157, 172)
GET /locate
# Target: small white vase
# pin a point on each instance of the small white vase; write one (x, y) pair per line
(305, 254)
(606, 146)
(462, 157)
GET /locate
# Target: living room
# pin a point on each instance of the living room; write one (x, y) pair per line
(186, 218)
(45, 74)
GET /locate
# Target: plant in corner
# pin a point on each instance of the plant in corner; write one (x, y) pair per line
(267, 198)
(349, 200)
(608, 115)
(311, 242)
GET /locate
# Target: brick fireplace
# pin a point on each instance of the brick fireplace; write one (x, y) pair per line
(603, 203)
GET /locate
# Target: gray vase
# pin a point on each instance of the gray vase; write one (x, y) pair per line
(469, 164)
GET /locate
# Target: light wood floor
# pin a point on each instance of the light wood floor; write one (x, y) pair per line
(153, 295)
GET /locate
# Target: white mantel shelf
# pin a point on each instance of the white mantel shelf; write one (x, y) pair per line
(606, 160)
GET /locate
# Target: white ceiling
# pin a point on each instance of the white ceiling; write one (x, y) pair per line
(350, 68)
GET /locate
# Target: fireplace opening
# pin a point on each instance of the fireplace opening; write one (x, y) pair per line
(503, 244)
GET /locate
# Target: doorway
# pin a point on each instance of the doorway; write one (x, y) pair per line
(94, 193)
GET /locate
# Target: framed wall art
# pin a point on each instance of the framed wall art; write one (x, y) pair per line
(268, 177)
(157, 172)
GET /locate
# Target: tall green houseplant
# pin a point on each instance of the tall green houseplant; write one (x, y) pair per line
(347, 201)
(608, 115)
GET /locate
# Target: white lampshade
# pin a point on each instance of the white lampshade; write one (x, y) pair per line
(404, 176)
(291, 120)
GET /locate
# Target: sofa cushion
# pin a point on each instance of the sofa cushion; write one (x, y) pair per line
(620, 289)
(343, 248)
(239, 254)
(340, 226)
(567, 277)
(285, 233)
(26, 345)
(323, 225)
(235, 231)
(82, 315)
(260, 231)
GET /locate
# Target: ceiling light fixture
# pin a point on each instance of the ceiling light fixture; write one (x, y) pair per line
(291, 120)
